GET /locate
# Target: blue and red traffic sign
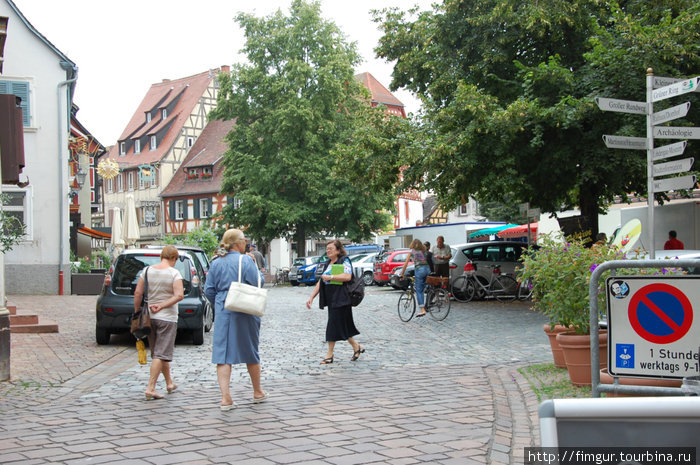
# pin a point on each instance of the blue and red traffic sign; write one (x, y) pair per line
(660, 313)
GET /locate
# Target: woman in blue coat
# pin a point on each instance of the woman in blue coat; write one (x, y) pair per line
(236, 335)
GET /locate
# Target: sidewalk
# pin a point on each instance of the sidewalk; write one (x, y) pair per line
(458, 401)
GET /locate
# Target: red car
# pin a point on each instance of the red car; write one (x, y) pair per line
(386, 263)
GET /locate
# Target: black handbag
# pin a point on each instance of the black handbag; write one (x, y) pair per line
(141, 320)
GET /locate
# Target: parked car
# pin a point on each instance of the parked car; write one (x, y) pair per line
(296, 264)
(386, 262)
(306, 274)
(401, 284)
(198, 253)
(506, 254)
(115, 304)
(363, 267)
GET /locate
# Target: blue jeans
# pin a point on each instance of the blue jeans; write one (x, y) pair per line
(421, 273)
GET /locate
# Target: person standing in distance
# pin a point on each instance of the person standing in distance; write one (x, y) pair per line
(441, 257)
(672, 243)
(259, 259)
(429, 256)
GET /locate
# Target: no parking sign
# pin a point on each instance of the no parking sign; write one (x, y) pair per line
(653, 326)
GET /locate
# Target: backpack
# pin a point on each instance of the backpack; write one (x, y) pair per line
(356, 289)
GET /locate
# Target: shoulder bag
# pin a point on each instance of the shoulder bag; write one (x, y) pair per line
(141, 320)
(356, 287)
(245, 298)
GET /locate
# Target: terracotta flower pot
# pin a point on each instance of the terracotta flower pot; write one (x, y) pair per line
(606, 378)
(557, 352)
(577, 353)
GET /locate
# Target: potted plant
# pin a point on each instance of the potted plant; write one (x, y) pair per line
(82, 280)
(560, 271)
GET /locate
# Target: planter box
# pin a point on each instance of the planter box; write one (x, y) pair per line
(86, 283)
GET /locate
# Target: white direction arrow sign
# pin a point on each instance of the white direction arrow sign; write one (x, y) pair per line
(673, 167)
(671, 132)
(679, 111)
(668, 151)
(674, 90)
(672, 184)
(660, 81)
(624, 142)
(622, 106)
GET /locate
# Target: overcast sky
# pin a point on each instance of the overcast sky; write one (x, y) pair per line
(122, 47)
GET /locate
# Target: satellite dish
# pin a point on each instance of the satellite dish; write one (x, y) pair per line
(628, 235)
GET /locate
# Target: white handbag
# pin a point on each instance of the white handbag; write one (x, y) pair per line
(245, 298)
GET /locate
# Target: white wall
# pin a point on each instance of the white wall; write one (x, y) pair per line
(32, 266)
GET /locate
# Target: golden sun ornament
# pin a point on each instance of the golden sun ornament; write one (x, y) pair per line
(108, 168)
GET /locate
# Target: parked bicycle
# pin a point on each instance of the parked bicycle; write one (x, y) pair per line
(281, 276)
(437, 299)
(503, 287)
(525, 289)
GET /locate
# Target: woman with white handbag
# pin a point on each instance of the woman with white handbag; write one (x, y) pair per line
(236, 334)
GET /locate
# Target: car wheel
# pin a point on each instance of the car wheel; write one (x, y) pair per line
(294, 283)
(198, 336)
(102, 336)
(208, 316)
(368, 279)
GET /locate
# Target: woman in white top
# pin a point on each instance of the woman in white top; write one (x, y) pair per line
(165, 290)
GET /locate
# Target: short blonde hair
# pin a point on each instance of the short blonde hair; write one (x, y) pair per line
(231, 237)
(417, 245)
(169, 252)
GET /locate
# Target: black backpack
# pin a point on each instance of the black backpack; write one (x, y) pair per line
(356, 288)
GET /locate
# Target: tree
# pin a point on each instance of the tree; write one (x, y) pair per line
(294, 102)
(508, 89)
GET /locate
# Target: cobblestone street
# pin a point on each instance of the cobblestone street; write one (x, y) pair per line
(423, 392)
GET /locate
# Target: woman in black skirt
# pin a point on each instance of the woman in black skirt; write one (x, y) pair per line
(332, 287)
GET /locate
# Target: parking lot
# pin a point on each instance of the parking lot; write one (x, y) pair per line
(425, 390)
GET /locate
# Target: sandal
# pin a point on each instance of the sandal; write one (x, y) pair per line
(357, 353)
(327, 361)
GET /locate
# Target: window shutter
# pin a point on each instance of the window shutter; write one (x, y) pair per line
(210, 204)
(171, 206)
(195, 208)
(185, 207)
(21, 90)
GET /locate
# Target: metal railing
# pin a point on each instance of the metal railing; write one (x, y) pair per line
(596, 386)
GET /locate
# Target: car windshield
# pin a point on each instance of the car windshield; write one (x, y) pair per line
(300, 261)
(129, 267)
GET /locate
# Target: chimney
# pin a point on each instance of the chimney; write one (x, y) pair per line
(225, 69)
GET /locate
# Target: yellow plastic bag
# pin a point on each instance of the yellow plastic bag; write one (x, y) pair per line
(141, 347)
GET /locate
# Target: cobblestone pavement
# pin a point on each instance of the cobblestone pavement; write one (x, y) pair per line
(423, 392)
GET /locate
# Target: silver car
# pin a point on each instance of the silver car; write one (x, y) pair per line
(484, 255)
(298, 263)
(363, 267)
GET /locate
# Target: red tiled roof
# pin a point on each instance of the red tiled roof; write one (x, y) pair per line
(380, 94)
(208, 149)
(191, 88)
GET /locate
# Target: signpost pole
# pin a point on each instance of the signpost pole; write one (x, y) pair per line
(650, 162)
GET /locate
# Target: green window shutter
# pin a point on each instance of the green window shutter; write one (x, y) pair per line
(21, 90)
(184, 209)
(171, 207)
(195, 208)
(210, 205)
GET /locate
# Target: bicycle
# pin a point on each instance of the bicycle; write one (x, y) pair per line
(437, 300)
(281, 276)
(503, 287)
(525, 289)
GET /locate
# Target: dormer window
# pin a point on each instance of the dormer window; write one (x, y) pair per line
(154, 142)
(192, 174)
(164, 113)
(148, 117)
(137, 146)
(122, 148)
(207, 172)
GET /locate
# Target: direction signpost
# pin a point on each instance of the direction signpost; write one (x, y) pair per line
(658, 88)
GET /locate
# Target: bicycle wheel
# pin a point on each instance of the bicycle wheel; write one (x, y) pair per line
(406, 306)
(504, 288)
(439, 304)
(463, 289)
(525, 290)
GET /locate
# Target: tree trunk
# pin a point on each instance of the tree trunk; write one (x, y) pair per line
(300, 237)
(588, 203)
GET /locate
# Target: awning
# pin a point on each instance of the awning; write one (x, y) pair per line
(519, 231)
(490, 231)
(93, 233)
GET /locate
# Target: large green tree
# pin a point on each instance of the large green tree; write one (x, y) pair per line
(508, 90)
(295, 101)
